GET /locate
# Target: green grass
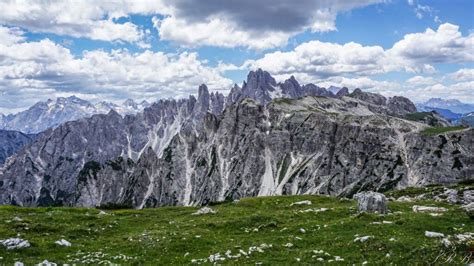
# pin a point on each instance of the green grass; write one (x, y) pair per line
(418, 116)
(173, 236)
(431, 131)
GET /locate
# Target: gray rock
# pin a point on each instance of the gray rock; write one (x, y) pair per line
(15, 243)
(371, 202)
(401, 105)
(451, 196)
(468, 196)
(204, 210)
(369, 97)
(433, 234)
(11, 142)
(433, 209)
(469, 209)
(342, 92)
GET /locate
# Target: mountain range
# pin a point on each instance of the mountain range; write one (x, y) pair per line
(264, 138)
(453, 105)
(51, 113)
(457, 112)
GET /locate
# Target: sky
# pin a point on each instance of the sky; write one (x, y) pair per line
(150, 49)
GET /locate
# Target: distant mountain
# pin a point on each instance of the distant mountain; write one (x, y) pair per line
(467, 119)
(11, 142)
(446, 113)
(452, 105)
(44, 115)
(263, 88)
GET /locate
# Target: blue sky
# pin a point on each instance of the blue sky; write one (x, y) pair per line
(153, 49)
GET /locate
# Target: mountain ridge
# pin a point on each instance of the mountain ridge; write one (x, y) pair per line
(181, 152)
(51, 113)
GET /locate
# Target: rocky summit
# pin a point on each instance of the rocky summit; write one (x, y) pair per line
(265, 138)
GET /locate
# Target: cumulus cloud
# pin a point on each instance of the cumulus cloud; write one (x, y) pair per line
(420, 80)
(461, 91)
(89, 19)
(32, 71)
(254, 24)
(417, 52)
(445, 45)
(463, 74)
(247, 23)
(320, 59)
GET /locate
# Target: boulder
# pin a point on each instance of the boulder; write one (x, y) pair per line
(417, 208)
(469, 208)
(303, 202)
(433, 234)
(204, 210)
(468, 196)
(15, 243)
(371, 202)
(63, 242)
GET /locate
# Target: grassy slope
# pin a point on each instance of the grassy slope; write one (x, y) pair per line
(165, 235)
(431, 131)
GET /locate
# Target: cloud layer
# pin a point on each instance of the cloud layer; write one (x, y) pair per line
(29, 70)
(255, 24)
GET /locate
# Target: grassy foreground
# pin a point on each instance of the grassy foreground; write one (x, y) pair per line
(265, 230)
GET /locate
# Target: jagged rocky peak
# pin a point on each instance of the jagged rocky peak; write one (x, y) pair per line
(260, 79)
(291, 88)
(334, 89)
(71, 99)
(203, 100)
(342, 92)
(311, 89)
(401, 105)
(130, 103)
(369, 97)
(258, 86)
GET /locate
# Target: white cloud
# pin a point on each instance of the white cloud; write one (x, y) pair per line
(320, 59)
(246, 23)
(10, 35)
(420, 10)
(463, 74)
(90, 19)
(420, 80)
(215, 32)
(254, 24)
(461, 91)
(446, 45)
(32, 71)
(417, 52)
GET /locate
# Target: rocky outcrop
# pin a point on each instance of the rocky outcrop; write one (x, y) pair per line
(263, 88)
(400, 105)
(371, 202)
(342, 92)
(369, 97)
(182, 153)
